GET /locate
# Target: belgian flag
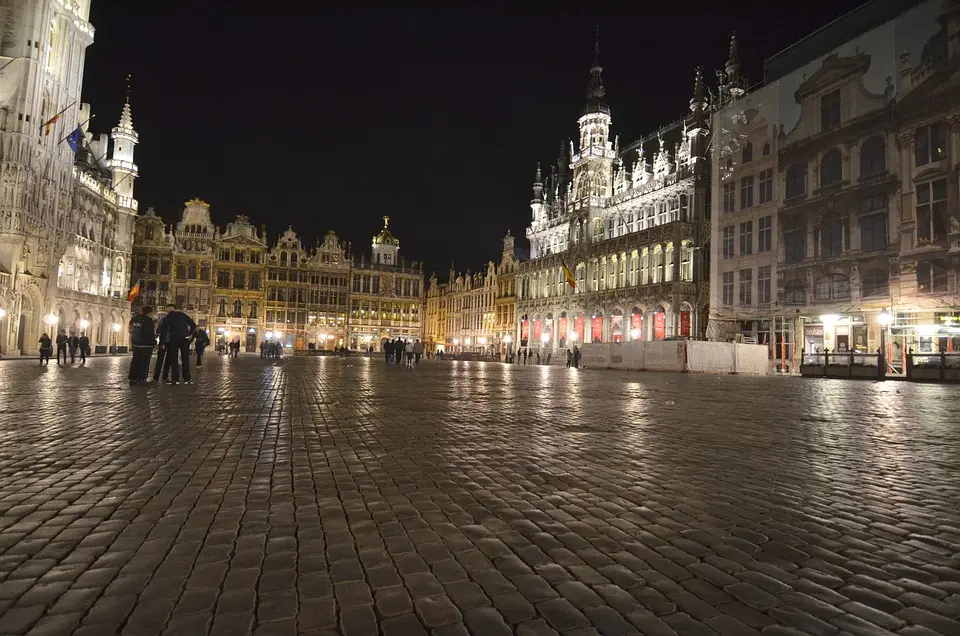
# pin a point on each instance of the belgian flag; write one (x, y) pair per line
(135, 290)
(570, 279)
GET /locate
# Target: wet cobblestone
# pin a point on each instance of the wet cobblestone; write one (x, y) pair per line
(315, 495)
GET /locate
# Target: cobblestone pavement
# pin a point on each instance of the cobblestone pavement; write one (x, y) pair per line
(324, 496)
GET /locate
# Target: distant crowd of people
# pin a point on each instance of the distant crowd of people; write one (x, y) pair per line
(76, 345)
(406, 353)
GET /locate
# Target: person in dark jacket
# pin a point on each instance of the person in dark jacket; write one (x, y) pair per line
(46, 348)
(201, 342)
(83, 344)
(62, 346)
(74, 343)
(162, 365)
(142, 339)
(181, 329)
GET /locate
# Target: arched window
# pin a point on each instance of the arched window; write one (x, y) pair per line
(874, 283)
(684, 209)
(237, 309)
(831, 168)
(222, 308)
(832, 287)
(293, 259)
(833, 235)
(796, 294)
(873, 159)
(254, 310)
(766, 150)
(283, 257)
(796, 182)
(747, 155)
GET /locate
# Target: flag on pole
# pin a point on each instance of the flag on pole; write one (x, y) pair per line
(135, 290)
(74, 138)
(48, 126)
(566, 272)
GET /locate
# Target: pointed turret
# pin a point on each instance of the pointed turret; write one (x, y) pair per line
(538, 185)
(596, 102)
(735, 82)
(121, 163)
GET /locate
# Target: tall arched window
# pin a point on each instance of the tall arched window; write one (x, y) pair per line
(222, 308)
(831, 168)
(872, 157)
(237, 309)
(747, 155)
(833, 235)
(796, 182)
(254, 310)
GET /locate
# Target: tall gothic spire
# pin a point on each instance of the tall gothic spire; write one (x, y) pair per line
(595, 91)
(538, 185)
(736, 83)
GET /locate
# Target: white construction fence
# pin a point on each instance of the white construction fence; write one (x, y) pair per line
(678, 356)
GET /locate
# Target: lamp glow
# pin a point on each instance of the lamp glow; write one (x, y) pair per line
(829, 319)
(3, 313)
(482, 341)
(84, 323)
(885, 319)
(51, 320)
(466, 341)
(508, 339)
(456, 341)
(545, 338)
(116, 326)
(635, 334)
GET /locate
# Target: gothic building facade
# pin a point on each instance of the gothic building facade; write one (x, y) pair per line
(628, 223)
(66, 216)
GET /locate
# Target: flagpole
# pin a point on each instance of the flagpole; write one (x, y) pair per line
(75, 129)
(55, 117)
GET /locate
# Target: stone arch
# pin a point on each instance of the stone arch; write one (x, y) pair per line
(616, 325)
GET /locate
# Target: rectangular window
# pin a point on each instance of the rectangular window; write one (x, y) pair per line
(746, 192)
(165, 267)
(204, 299)
(746, 287)
(795, 244)
(728, 288)
(254, 282)
(830, 111)
(239, 279)
(223, 279)
(192, 271)
(873, 223)
(181, 272)
(765, 189)
(932, 276)
(356, 283)
(729, 197)
(746, 238)
(931, 143)
(366, 284)
(765, 234)
(728, 242)
(763, 285)
(932, 220)
(376, 285)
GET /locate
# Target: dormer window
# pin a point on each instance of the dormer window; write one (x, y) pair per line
(830, 111)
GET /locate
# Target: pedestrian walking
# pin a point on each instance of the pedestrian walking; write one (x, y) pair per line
(526, 352)
(181, 329)
(417, 351)
(83, 344)
(203, 340)
(408, 352)
(62, 346)
(46, 348)
(142, 339)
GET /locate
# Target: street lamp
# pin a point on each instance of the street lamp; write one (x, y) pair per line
(482, 341)
(508, 338)
(116, 335)
(84, 324)
(3, 313)
(51, 320)
(635, 334)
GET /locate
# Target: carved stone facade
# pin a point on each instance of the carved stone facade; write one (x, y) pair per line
(863, 156)
(628, 225)
(474, 313)
(66, 215)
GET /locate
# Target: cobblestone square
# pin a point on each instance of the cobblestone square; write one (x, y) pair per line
(342, 496)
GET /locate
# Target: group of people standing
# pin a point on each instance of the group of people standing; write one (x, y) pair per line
(74, 343)
(172, 336)
(398, 350)
(268, 349)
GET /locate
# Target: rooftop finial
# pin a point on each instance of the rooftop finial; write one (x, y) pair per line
(128, 88)
(736, 83)
(539, 175)
(596, 48)
(386, 221)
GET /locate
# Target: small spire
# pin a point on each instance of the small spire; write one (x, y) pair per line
(539, 178)
(128, 87)
(386, 221)
(538, 186)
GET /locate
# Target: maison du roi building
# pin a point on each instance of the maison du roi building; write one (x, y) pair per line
(239, 287)
(629, 223)
(836, 198)
(474, 312)
(66, 218)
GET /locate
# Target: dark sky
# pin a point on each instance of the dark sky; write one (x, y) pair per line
(297, 116)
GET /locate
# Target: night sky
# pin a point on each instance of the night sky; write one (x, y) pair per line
(295, 116)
